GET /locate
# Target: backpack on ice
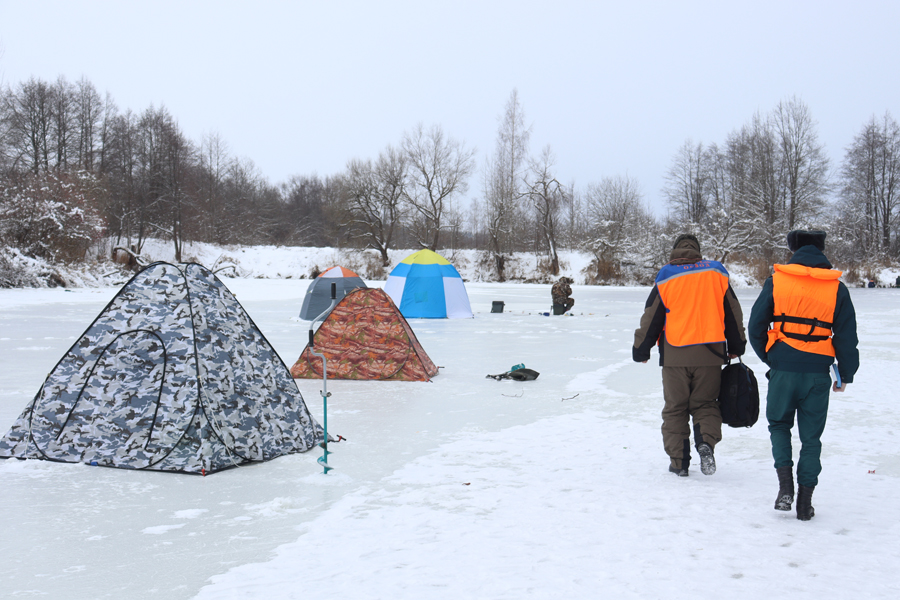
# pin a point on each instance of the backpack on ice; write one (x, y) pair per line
(517, 373)
(739, 395)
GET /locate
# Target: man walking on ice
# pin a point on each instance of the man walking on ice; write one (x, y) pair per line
(695, 318)
(812, 323)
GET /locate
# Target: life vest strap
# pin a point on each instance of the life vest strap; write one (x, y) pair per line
(803, 337)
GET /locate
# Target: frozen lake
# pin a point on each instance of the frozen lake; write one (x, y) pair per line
(465, 486)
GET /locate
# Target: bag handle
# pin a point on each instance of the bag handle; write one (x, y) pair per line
(722, 356)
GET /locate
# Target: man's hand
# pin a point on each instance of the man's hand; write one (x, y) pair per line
(644, 362)
(835, 388)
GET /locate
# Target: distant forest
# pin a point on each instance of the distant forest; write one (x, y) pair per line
(75, 167)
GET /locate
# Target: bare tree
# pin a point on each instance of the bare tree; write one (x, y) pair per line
(687, 186)
(118, 164)
(803, 162)
(29, 116)
(305, 198)
(548, 196)
(754, 160)
(574, 226)
(375, 194)
(39, 122)
(254, 211)
(619, 228)
(439, 169)
(165, 159)
(88, 116)
(702, 184)
(870, 194)
(215, 213)
(63, 122)
(6, 144)
(504, 184)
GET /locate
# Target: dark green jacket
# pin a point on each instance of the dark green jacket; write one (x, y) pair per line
(782, 357)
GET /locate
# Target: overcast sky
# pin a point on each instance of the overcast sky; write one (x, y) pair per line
(614, 87)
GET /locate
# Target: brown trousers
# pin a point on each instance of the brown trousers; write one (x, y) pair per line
(690, 393)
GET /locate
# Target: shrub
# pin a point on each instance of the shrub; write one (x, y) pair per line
(51, 216)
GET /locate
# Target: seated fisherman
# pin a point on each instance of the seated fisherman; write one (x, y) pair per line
(561, 294)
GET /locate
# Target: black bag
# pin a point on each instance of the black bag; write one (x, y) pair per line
(520, 374)
(739, 395)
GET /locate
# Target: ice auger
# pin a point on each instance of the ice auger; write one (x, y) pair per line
(323, 460)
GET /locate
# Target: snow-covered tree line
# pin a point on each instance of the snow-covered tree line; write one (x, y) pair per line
(773, 175)
(74, 167)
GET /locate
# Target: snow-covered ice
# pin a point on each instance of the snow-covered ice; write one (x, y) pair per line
(464, 487)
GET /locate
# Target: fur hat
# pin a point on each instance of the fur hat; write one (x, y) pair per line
(686, 237)
(798, 238)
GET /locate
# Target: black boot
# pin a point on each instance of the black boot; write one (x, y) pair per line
(805, 510)
(682, 472)
(707, 459)
(785, 488)
(705, 450)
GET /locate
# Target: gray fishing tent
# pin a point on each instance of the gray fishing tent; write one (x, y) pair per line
(173, 375)
(318, 294)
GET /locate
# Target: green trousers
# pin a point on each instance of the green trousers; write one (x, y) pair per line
(806, 395)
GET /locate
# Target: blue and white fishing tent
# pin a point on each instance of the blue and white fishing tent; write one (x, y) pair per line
(426, 285)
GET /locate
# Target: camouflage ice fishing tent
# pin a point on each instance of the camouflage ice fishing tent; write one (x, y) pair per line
(172, 376)
(366, 337)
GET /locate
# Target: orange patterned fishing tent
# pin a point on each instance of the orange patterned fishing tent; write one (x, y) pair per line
(366, 337)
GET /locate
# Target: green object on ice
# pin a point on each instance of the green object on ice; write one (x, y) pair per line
(323, 460)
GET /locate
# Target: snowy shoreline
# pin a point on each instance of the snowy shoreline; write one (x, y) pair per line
(301, 263)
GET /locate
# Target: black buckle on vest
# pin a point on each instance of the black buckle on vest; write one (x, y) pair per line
(803, 337)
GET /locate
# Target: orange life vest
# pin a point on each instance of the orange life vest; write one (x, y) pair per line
(804, 308)
(694, 295)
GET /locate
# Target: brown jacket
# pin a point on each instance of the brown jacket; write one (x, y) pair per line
(561, 291)
(653, 321)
